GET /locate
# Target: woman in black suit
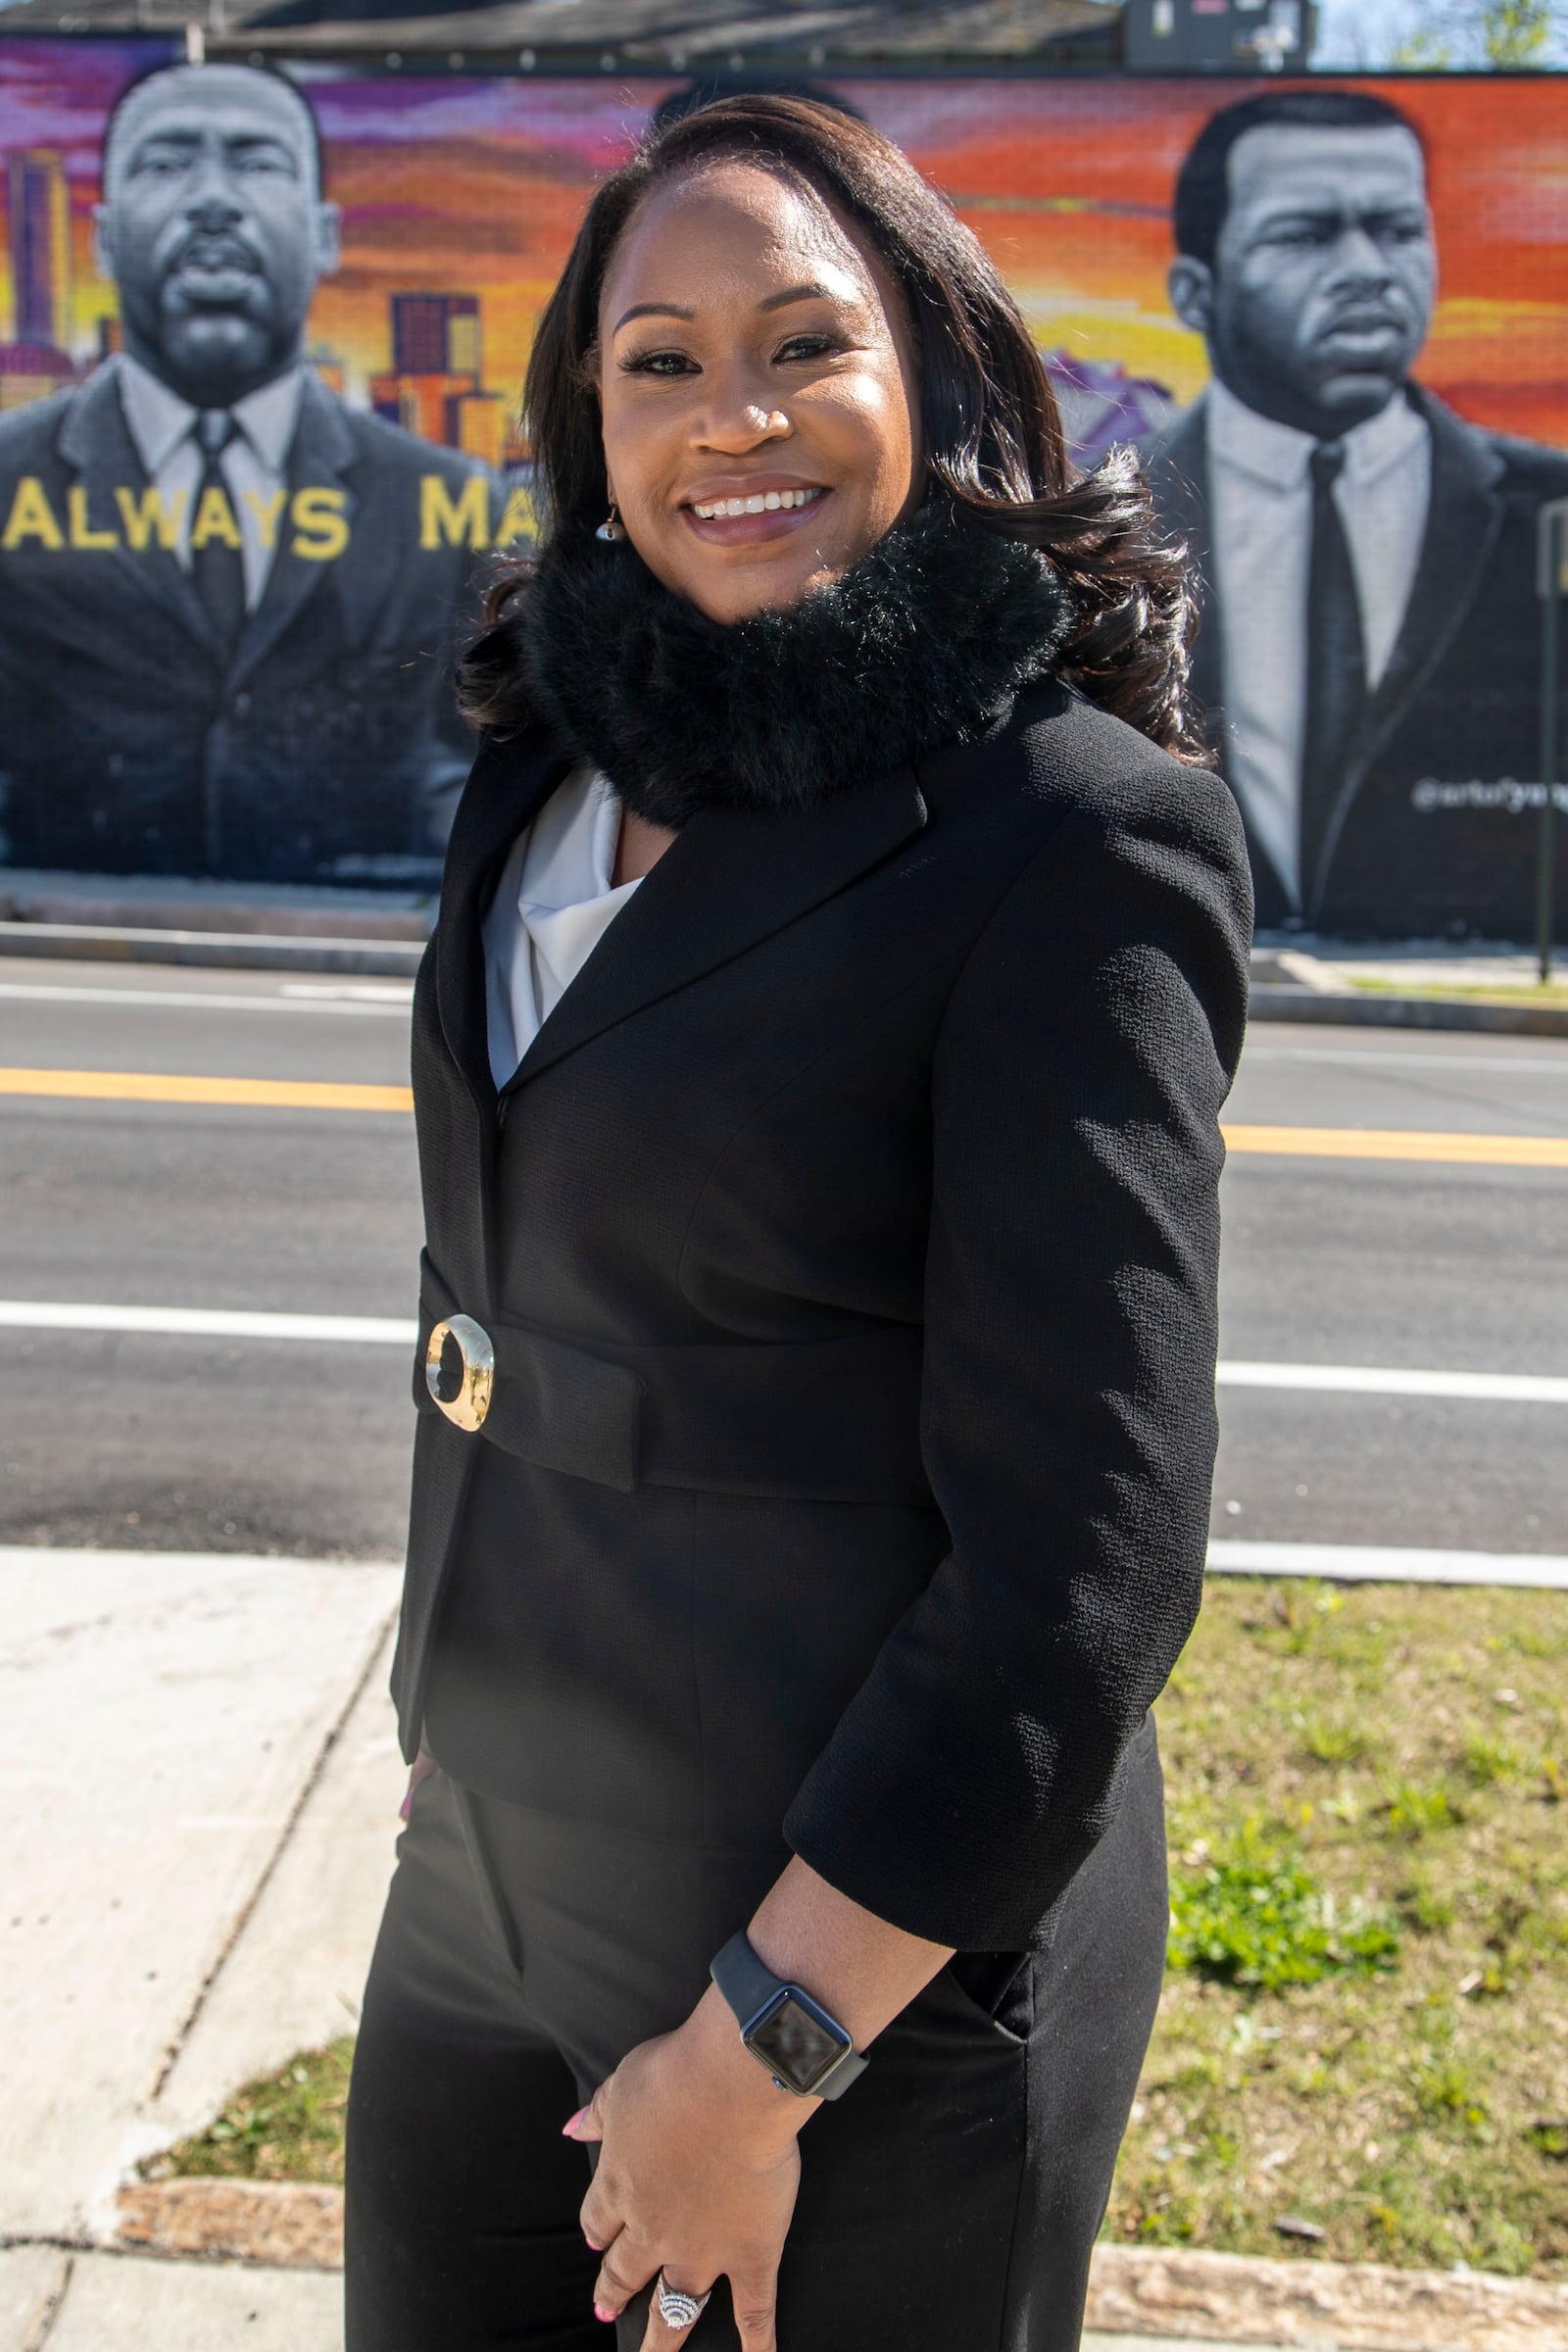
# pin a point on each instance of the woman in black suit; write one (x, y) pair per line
(840, 970)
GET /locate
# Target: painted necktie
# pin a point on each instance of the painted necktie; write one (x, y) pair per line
(1336, 670)
(216, 559)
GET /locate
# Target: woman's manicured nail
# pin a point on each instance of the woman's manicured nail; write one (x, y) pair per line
(569, 2126)
(592, 2243)
(602, 2312)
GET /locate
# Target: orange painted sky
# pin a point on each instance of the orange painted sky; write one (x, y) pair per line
(476, 185)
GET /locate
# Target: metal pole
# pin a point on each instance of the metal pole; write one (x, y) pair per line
(1551, 636)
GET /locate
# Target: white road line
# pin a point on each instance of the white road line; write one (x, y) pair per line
(402, 989)
(390, 1006)
(398, 1331)
(208, 1323)
(1347, 1057)
(1387, 1380)
(1390, 1564)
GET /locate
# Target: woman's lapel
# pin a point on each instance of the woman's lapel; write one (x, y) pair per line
(731, 878)
(509, 783)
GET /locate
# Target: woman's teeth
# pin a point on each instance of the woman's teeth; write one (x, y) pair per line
(761, 502)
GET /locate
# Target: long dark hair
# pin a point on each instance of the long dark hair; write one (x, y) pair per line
(991, 428)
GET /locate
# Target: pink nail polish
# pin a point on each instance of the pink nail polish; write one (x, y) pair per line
(592, 2243)
(601, 2313)
(571, 2122)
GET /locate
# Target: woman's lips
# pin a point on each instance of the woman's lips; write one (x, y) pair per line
(747, 518)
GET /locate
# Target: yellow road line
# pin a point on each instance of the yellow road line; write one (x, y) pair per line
(248, 1093)
(302, 1093)
(1400, 1143)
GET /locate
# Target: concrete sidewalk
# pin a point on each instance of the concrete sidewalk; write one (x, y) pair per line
(204, 1785)
(122, 2303)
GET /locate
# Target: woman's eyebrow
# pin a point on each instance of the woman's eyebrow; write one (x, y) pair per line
(805, 293)
(651, 310)
(812, 290)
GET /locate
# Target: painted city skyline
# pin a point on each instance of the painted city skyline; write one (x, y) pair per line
(469, 190)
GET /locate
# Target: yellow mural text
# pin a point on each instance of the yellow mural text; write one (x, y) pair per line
(215, 519)
(31, 518)
(320, 526)
(83, 534)
(312, 522)
(266, 512)
(146, 512)
(147, 517)
(464, 520)
(448, 521)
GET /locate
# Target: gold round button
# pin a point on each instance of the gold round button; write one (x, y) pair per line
(470, 1403)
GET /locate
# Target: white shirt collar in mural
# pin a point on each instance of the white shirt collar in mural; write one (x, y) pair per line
(1279, 456)
(158, 421)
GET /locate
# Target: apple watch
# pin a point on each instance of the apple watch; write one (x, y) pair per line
(804, 2048)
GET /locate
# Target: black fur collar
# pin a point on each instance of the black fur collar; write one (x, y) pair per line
(920, 646)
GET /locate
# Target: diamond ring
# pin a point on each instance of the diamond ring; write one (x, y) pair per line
(675, 2309)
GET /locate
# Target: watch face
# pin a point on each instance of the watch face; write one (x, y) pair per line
(795, 2045)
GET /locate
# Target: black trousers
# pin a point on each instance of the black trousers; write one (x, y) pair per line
(950, 2198)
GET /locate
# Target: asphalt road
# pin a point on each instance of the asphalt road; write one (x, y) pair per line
(139, 1439)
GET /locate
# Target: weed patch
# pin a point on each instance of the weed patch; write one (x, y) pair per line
(287, 2126)
(1413, 1812)
(1260, 1917)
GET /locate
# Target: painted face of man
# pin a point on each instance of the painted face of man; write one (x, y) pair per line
(1324, 276)
(213, 229)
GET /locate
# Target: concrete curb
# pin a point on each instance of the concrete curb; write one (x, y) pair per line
(1238, 2298)
(283, 2224)
(1134, 2291)
(1287, 1000)
(174, 903)
(96, 942)
(1352, 1010)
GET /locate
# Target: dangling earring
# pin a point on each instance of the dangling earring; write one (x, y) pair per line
(612, 527)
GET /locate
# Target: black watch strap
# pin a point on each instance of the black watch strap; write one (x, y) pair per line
(751, 1988)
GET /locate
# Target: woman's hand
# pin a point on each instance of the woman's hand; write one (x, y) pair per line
(699, 2166)
(697, 2175)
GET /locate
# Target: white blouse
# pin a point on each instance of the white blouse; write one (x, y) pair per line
(552, 904)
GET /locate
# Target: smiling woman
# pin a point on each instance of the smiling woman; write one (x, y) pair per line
(812, 407)
(817, 1074)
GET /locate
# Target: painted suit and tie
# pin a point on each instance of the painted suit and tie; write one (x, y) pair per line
(227, 601)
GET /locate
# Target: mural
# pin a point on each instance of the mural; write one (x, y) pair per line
(1370, 650)
(263, 340)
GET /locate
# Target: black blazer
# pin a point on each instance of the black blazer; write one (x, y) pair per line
(327, 750)
(1431, 830)
(848, 1238)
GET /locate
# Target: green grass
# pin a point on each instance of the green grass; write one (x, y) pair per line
(1366, 2020)
(1399, 1751)
(287, 2126)
(1495, 992)
(1256, 1916)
